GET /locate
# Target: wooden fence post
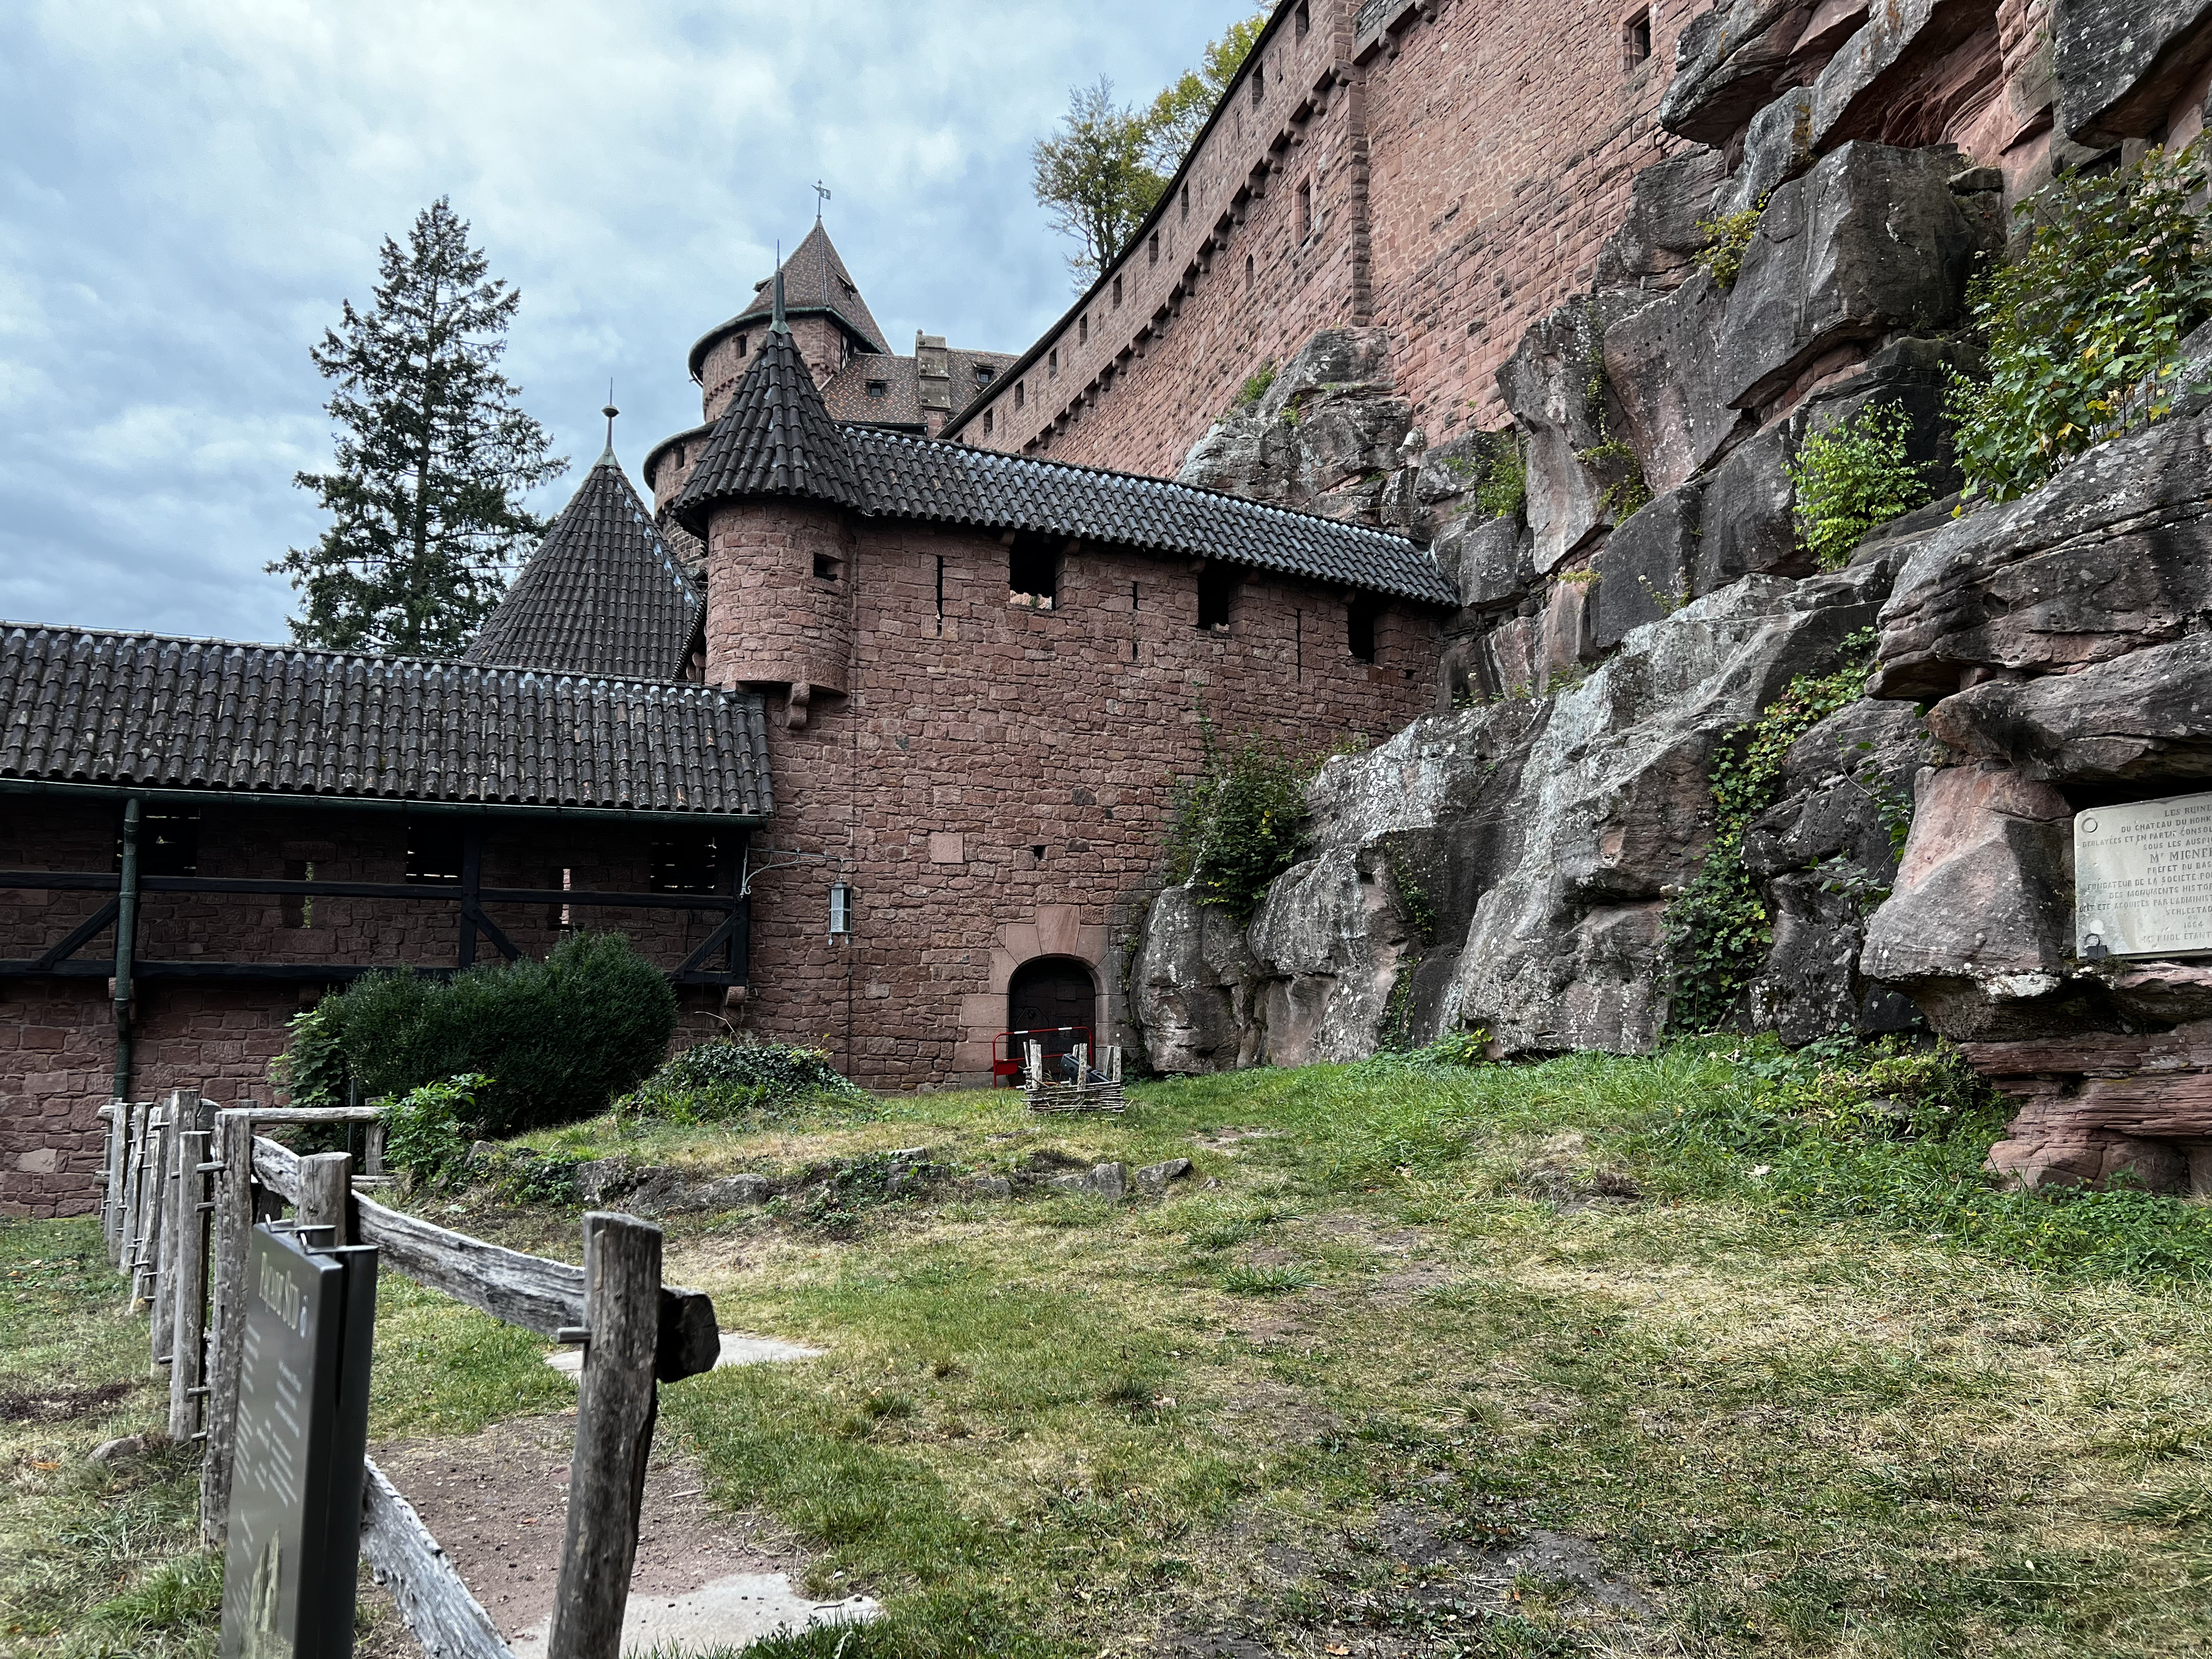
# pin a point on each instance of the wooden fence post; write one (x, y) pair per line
(111, 1174)
(232, 1233)
(327, 1195)
(184, 1109)
(188, 1277)
(616, 1405)
(147, 1220)
(134, 1146)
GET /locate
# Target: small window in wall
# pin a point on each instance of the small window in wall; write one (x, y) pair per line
(1117, 289)
(1052, 364)
(1186, 204)
(298, 908)
(741, 345)
(1635, 40)
(1360, 627)
(434, 853)
(679, 457)
(1033, 571)
(1155, 246)
(168, 842)
(828, 566)
(684, 862)
(988, 422)
(1248, 273)
(1217, 591)
(1083, 329)
(1306, 210)
(1259, 83)
(562, 915)
(1306, 18)
(1021, 393)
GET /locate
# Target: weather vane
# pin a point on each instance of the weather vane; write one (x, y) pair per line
(822, 192)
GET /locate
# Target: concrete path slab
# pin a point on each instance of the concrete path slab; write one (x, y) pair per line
(725, 1614)
(737, 1350)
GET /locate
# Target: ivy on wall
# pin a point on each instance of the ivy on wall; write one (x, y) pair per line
(1718, 930)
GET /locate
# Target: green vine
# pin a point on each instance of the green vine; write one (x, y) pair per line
(1855, 477)
(1717, 927)
(1504, 486)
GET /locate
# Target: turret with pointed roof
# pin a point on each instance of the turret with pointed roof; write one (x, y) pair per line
(602, 595)
(776, 439)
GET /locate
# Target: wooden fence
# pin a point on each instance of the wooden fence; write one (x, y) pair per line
(186, 1183)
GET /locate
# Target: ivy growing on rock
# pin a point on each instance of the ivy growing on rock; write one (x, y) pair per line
(2084, 327)
(1718, 929)
(1855, 477)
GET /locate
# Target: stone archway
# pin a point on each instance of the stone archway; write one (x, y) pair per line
(1055, 930)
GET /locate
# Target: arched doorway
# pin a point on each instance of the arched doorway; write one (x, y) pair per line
(1052, 997)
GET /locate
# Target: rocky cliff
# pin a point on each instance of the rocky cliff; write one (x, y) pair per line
(1517, 861)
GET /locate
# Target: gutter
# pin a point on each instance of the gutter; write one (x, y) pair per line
(134, 795)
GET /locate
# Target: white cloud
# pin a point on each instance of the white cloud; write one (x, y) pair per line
(191, 187)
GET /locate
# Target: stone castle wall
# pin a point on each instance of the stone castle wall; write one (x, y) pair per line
(976, 729)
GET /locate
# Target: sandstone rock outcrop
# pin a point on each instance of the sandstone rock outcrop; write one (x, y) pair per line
(2121, 65)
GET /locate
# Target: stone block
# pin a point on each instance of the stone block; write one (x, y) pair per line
(1776, 147)
(1663, 362)
(2122, 63)
(1643, 567)
(1748, 523)
(1727, 64)
(1871, 242)
(1152, 1180)
(1882, 77)
(1659, 241)
(2147, 715)
(1489, 560)
(1570, 632)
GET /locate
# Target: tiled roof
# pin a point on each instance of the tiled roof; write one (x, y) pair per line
(815, 280)
(603, 594)
(774, 439)
(155, 712)
(953, 484)
(847, 398)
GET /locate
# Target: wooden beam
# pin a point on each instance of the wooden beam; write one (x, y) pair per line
(434, 1603)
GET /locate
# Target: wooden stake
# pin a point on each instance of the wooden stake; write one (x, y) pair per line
(134, 1148)
(615, 1410)
(116, 1115)
(234, 1230)
(325, 1197)
(188, 1280)
(184, 1107)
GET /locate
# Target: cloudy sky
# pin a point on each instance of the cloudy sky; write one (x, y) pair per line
(189, 188)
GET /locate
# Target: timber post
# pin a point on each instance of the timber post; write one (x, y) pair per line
(616, 1402)
(232, 1233)
(326, 1196)
(188, 1284)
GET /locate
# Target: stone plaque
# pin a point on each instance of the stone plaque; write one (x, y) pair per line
(2142, 878)
(295, 1490)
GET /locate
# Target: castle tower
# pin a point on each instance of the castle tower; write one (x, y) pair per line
(603, 594)
(828, 321)
(768, 497)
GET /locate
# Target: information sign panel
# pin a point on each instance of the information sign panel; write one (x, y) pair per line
(302, 1429)
(2142, 878)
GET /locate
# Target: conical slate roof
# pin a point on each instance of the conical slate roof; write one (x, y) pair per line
(603, 594)
(776, 439)
(814, 282)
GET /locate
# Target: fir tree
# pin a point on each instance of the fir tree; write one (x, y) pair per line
(432, 456)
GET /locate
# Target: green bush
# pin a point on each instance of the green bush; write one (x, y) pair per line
(2083, 329)
(1855, 477)
(1240, 822)
(1255, 388)
(1728, 239)
(1504, 486)
(311, 1070)
(720, 1082)
(426, 1130)
(560, 1038)
(1718, 930)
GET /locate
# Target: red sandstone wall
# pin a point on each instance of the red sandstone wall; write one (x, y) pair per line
(57, 1038)
(957, 752)
(1465, 169)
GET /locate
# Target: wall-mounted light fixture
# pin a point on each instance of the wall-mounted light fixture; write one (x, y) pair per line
(840, 909)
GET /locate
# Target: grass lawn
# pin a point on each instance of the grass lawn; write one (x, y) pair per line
(1599, 1356)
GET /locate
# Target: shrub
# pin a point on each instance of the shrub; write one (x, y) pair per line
(1854, 478)
(1718, 930)
(1240, 823)
(1255, 388)
(719, 1081)
(1728, 239)
(2083, 329)
(426, 1130)
(560, 1038)
(1504, 486)
(311, 1070)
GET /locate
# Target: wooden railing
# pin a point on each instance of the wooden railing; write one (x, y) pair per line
(186, 1183)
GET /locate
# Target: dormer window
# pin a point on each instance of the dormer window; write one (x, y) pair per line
(879, 389)
(983, 372)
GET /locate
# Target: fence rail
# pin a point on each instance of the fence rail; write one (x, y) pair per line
(184, 1184)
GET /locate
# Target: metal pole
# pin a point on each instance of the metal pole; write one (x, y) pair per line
(126, 946)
